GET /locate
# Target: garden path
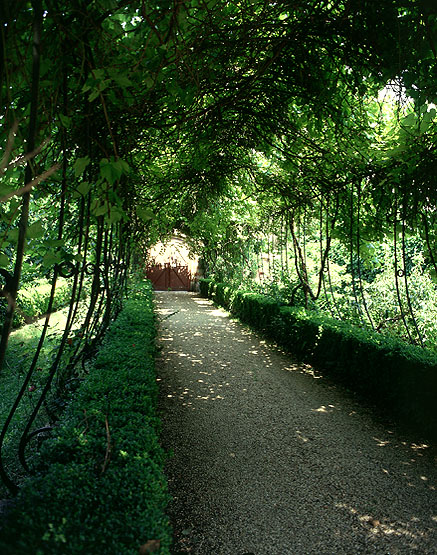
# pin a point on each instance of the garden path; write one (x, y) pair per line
(272, 458)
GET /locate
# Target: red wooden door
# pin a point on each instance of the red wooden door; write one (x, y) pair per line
(165, 277)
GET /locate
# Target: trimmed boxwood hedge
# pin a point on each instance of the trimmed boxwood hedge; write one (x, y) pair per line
(98, 483)
(400, 377)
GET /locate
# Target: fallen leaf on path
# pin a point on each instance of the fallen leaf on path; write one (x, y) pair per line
(150, 547)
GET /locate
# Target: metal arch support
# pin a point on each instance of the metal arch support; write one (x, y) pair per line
(27, 440)
(67, 269)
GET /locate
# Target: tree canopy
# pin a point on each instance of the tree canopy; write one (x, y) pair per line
(292, 142)
(122, 121)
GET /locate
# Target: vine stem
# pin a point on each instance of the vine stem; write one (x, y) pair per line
(398, 292)
(360, 312)
(404, 263)
(428, 241)
(28, 177)
(26, 435)
(36, 60)
(366, 309)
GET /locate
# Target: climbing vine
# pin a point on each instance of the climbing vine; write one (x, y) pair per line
(292, 143)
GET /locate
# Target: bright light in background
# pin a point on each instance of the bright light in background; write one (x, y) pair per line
(395, 94)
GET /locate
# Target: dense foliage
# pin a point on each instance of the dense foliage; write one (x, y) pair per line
(400, 378)
(198, 112)
(292, 142)
(98, 482)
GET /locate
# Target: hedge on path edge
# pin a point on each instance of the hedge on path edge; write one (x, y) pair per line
(399, 377)
(98, 484)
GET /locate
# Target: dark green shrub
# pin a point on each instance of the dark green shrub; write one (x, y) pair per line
(255, 309)
(98, 484)
(204, 286)
(394, 374)
(221, 294)
(297, 331)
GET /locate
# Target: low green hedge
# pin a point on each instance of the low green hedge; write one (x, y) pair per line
(98, 484)
(255, 309)
(395, 375)
(204, 285)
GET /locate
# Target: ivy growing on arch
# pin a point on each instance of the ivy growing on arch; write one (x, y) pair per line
(257, 128)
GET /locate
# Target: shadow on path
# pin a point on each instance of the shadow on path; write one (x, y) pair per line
(270, 458)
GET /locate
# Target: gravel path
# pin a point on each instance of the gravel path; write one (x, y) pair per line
(270, 458)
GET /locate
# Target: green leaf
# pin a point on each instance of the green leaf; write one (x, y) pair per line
(108, 4)
(45, 66)
(117, 168)
(93, 95)
(84, 188)
(35, 230)
(65, 120)
(98, 85)
(80, 165)
(13, 236)
(120, 167)
(124, 165)
(149, 82)
(144, 214)
(4, 260)
(99, 209)
(5, 189)
(51, 258)
(427, 119)
(410, 120)
(106, 171)
(111, 170)
(98, 74)
(120, 78)
(115, 214)
(52, 243)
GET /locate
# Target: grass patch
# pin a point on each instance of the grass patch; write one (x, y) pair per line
(32, 302)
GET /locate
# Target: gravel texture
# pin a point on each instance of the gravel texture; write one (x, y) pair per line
(272, 458)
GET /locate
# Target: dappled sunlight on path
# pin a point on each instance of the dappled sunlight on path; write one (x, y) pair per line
(271, 457)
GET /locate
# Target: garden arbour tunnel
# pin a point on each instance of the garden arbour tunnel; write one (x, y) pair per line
(258, 129)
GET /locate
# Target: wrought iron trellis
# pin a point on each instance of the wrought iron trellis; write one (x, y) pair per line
(111, 277)
(322, 211)
(103, 251)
